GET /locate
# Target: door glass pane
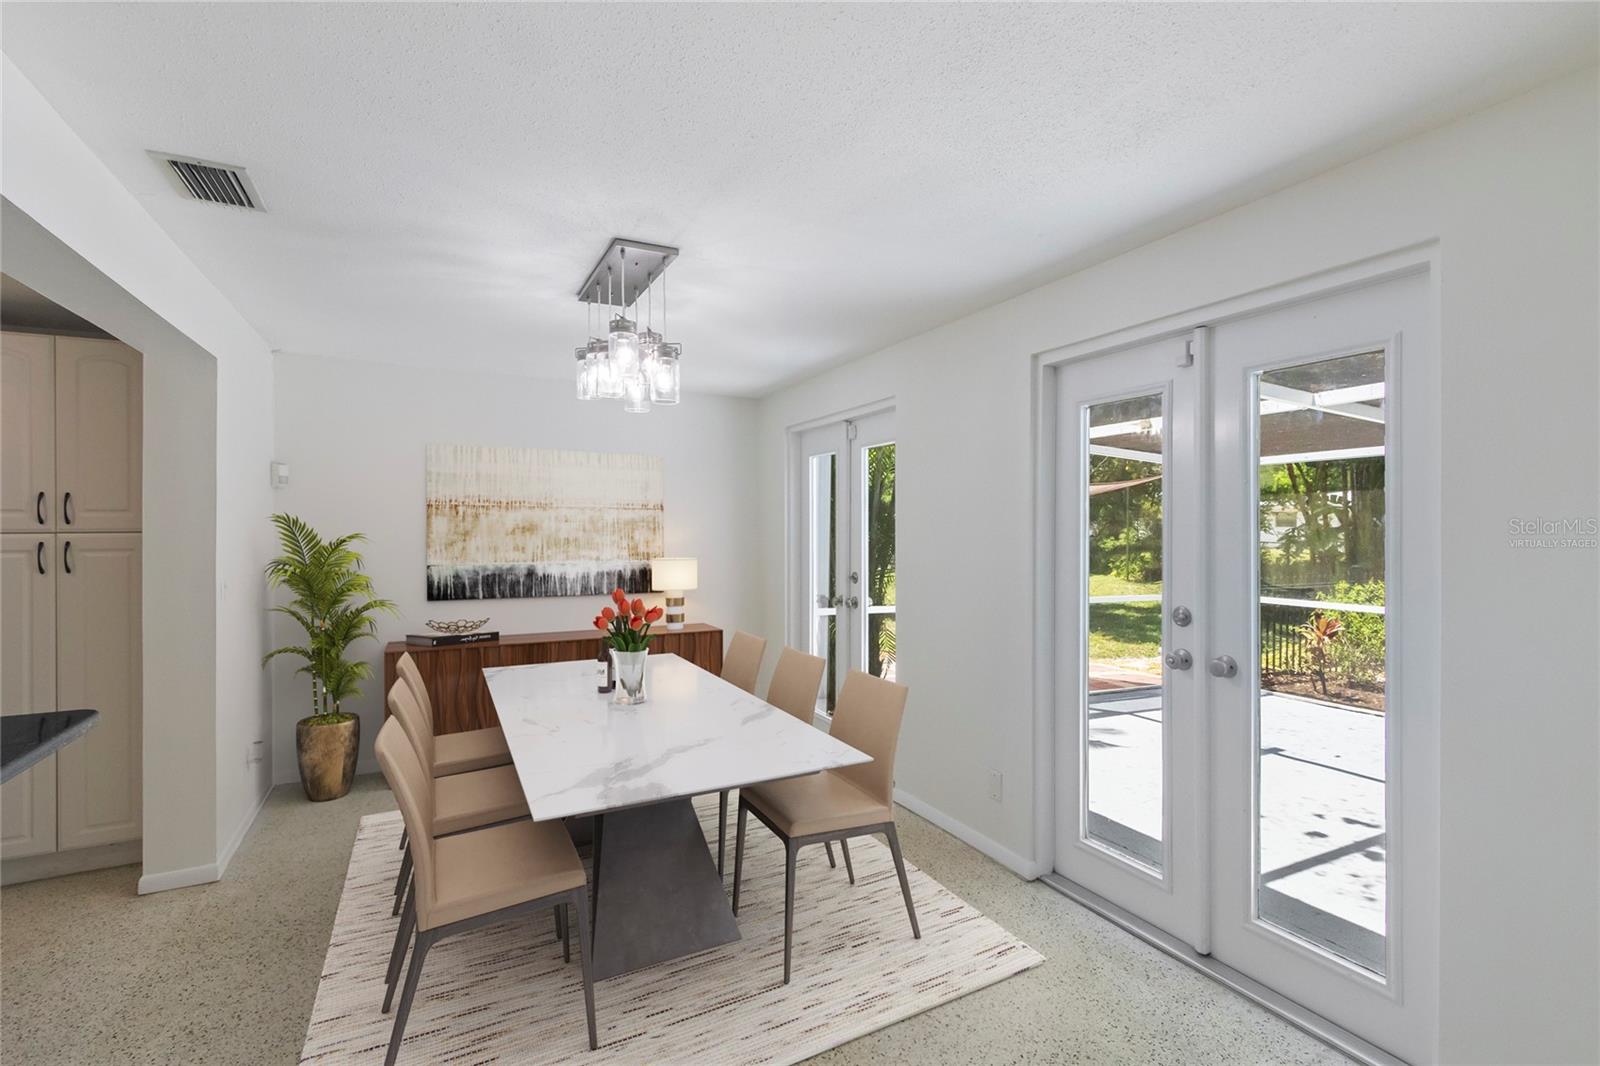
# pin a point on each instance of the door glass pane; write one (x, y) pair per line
(1124, 766)
(878, 510)
(823, 474)
(1321, 860)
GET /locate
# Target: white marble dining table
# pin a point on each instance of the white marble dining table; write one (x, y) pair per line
(634, 769)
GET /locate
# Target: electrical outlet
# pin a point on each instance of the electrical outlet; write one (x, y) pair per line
(997, 783)
(256, 752)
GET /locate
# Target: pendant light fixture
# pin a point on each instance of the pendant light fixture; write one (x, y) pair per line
(639, 367)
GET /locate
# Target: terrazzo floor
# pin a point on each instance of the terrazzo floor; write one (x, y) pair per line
(226, 973)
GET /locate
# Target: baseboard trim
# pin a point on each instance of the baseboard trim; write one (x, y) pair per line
(73, 861)
(239, 834)
(1307, 1021)
(188, 877)
(1027, 869)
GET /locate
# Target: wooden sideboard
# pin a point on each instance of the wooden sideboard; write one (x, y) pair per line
(454, 672)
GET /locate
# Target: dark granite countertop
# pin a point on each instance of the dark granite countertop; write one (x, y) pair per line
(27, 738)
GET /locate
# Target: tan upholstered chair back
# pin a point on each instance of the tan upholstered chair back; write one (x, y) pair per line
(413, 790)
(867, 717)
(403, 705)
(407, 667)
(795, 681)
(743, 661)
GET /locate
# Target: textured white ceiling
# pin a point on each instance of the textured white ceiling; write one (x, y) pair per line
(439, 178)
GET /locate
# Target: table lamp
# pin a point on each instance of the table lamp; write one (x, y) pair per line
(674, 576)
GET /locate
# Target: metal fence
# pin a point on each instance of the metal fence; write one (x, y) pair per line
(1283, 648)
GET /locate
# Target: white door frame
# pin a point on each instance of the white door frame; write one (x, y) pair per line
(1423, 516)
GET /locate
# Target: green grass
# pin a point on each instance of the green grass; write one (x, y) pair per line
(1124, 630)
(1109, 585)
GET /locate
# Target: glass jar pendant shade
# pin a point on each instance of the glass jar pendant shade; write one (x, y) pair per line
(607, 380)
(588, 376)
(636, 395)
(623, 346)
(664, 375)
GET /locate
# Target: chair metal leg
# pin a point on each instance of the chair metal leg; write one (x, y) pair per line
(827, 845)
(738, 855)
(400, 882)
(564, 924)
(580, 900)
(722, 828)
(424, 942)
(905, 886)
(844, 846)
(788, 906)
(405, 837)
(402, 935)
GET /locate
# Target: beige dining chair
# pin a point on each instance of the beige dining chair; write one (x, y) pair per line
(742, 664)
(740, 667)
(796, 680)
(452, 753)
(461, 801)
(474, 879)
(455, 753)
(838, 804)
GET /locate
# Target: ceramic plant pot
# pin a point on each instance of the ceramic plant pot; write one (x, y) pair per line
(327, 756)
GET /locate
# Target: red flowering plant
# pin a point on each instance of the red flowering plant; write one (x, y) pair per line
(626, 625)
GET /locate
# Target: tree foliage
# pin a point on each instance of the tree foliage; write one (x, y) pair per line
(1125, 526)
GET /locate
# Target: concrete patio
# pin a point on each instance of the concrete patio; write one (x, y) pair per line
(1322, 808)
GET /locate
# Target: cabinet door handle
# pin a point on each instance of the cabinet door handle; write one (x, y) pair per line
(38, 507)
(66, 508)
(38, 556)
(66, 557)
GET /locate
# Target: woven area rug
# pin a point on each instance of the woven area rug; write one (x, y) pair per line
(502, 993)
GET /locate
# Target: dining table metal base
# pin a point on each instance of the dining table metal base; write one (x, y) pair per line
(657, 895)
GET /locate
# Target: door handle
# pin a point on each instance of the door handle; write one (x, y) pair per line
(1179, 659)
(853, 602)
(38, 556)
(38, 507)
(1224, 666)
(66, 508)
(66, 557)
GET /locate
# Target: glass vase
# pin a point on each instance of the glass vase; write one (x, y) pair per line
(630, 675)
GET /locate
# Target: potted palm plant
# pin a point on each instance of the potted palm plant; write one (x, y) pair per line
(334, 603)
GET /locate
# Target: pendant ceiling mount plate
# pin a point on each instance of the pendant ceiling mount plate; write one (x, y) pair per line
(640, 264)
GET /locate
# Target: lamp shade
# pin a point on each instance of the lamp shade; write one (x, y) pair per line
(679, 574)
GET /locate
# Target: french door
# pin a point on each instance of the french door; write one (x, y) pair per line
(845, 599)
(1247, 748)
(1129, 756)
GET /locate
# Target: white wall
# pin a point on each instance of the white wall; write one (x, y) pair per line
(354, 433)
(1511, 196)
(79, 237)
(244, 543)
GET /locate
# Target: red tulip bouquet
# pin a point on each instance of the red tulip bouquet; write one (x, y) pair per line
(627, 627)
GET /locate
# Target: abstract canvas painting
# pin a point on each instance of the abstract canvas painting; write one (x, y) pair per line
(513, 523)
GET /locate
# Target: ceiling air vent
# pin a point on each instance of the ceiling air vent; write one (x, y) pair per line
(215, 183)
